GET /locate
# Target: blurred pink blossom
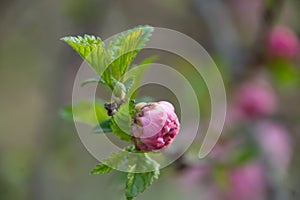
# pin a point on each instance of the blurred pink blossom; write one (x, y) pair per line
(283, 43)
(198, 180)
(194, 175)
(275, 142)
(247, 182)
(219, 151)
(254, 99)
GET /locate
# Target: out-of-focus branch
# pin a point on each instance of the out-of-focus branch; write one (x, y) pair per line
(224, 36)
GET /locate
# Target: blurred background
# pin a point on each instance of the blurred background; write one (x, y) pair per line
(256, 47)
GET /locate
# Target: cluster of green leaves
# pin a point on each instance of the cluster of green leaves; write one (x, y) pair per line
(141, 170)
(138, 182)
(111, 64)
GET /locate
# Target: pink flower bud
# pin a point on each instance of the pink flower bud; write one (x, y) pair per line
(155, 125)
(283, 43)
(255, 99)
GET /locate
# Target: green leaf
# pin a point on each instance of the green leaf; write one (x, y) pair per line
(122, 121)
(101, 169)
(104, 127)
(138, 182)
(110, 163)
(120, 132)
(93, 80)
(131, 107)
(92, 49)
(120, 53)
(66, 113)
(125, 46)
(136, 72)
(129, 83)
(85, 112)
(148, 60)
